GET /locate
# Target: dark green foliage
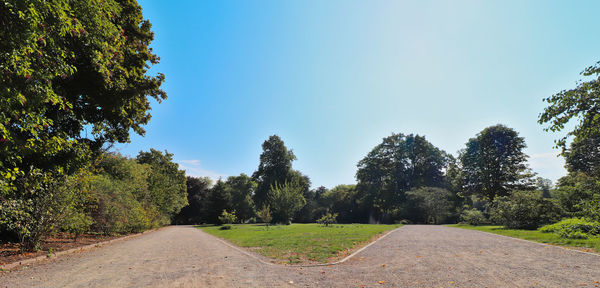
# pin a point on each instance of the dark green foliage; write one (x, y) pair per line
(198, 192)
(574, 189)
(493, 163)
(393, 167)
(574, 228)
(275, 167)
(166, 183)
(431, 205)
(591, 209)
(225, 227)
(583, 155)
(579, 104)
(524, 210)
(474, 217)
(342, 200)
(219, 200)
(285, 200)
(241, 189)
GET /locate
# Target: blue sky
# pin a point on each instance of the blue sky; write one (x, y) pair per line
(332, 78)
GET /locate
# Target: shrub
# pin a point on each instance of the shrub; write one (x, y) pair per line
(474, 217)
(225, 227)
(265, 214)
(227, 218)
(524, 210)
(328, 219)
(574, 228)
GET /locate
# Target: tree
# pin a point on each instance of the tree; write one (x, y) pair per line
(581, 103)
(241, 189)
(342, 200)
(219, 199)
(544, 185)
(493, 163)
(524, 210)
(198, 189)
(574, 190)
(398, 164)
(73, 76)
(434, 204)
(583, 155)
(285, 200)
(275, 167)
(167, 184)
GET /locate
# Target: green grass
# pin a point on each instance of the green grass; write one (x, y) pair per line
(590, 245)
(301, 243)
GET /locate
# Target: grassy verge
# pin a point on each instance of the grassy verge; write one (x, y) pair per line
(588, 245)
(301, 243)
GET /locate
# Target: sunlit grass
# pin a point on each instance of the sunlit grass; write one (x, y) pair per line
(301, 243)
(592, 244)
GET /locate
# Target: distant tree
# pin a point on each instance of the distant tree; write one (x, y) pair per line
(575, 189)
(342, 200)
(398, 164)
(167, 184)
(433, 204)
(583, 155)
(219, 199)
(285, 200)
(580, 104)
(493, 163)
(544, 185)
(198, 189)
(524, 210)
(241, 189)
(265, 215)
(275, 167)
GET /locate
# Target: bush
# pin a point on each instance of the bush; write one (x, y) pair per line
(265, 214)
(524, 210)
(574, 228)
(328, 219)
(227, 218)
(225, 227)
(474, 217)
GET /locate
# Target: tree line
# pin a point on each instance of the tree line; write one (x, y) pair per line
(74, 80)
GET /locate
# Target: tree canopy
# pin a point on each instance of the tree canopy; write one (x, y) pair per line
(74, 76)
(493, 163)
(398, 164)
(581, 103)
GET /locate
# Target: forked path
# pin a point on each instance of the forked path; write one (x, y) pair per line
(412, 256)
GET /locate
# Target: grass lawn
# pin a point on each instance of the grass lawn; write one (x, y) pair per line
(301, 243)
(590, 245)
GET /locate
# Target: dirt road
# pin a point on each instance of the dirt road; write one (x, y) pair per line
(412, 256)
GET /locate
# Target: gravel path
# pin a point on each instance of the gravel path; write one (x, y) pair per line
(412, 256)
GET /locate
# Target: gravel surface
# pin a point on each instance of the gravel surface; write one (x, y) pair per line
(412, 256)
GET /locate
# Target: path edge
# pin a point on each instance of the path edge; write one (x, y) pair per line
(259, 258)
(534, 242)
(9, 266)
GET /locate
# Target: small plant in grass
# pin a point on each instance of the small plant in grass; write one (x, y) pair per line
(328, 219)
(265, 215)
(574, 228)
(227, 218)
(225, 227)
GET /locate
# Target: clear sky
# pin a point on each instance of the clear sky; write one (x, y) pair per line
(332, 78)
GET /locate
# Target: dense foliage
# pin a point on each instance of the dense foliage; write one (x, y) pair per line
(574, 228)
(493, 163)
(397, 165)
(524, 210)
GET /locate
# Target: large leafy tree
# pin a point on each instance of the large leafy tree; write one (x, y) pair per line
(493, 163)
(583, 155)
(581, 103)
(166, 183)
(398, 164)
(241, 189)
(73, 76)
(275, 167)
(219, 200)
(286, 200)
(198, 190)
